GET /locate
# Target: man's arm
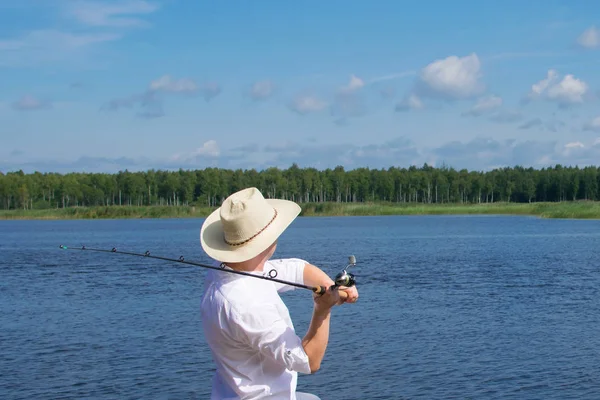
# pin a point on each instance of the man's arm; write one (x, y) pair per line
(317, 337)
(314, 276)
(288, 269)
(271, 334)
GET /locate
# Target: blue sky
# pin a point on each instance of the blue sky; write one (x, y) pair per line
(167, 84)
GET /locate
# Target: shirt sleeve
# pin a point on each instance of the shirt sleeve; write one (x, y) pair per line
(268, 333)
(289, 269)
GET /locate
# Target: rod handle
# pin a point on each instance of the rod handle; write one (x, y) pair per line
(321, 289)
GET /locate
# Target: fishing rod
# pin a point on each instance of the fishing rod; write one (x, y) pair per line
(344, 278)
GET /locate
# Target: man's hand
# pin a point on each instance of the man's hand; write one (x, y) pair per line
(315, 276)
(325, 301)
(352, 294)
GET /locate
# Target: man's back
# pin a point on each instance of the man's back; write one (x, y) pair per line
(252, 338)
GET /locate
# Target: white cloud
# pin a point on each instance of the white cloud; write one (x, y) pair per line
(569, 90)
(354, 84)
(112, 165)
(506, 116)
(151, 100)
(538, 89)
(411, 102)
(208, 149)
(262, 90)
(30, 103)
(531, 123)
(481, 153)
(307, 104)
(590, 38)
(387, 92)
(150, 103)
(566, 91)
(483, 105)
(287, 146)
(593, 125)
(400, 151)
(349, 101)
(578, 153)
(484, 153)
(452, 78)
(143, 99)
(168, 84)
(104, 14)
(572, 145)
(42, 46)
(84, 164)
(348, 105)
(210, 90)
(551, 125)
(390, 77)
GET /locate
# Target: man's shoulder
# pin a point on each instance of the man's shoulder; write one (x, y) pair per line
(286, 262)
(241, 303)
(238, 294)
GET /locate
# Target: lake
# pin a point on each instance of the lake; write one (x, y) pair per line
(485, 307)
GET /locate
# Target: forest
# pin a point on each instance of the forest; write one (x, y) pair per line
(208, 187)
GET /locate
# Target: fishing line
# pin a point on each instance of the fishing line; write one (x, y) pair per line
(344, 278)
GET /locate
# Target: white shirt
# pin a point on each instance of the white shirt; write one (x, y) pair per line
(249, 330)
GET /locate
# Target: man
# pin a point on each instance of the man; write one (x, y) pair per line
(246, 324)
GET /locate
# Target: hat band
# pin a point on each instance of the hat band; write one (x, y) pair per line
(253, 236)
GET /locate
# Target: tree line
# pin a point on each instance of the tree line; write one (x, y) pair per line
(210, 186)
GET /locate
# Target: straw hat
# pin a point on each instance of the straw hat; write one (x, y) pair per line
(245, 225)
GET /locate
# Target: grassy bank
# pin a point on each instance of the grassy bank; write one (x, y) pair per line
(110, 212)
(587, 210)
(578, 209)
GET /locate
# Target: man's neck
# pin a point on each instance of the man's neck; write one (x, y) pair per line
(254, 264)
(247, 266)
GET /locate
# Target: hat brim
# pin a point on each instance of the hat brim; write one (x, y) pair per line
(213, 241)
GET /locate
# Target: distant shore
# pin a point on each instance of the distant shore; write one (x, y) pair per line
(568, 209)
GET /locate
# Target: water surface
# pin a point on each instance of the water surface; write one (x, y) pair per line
(486, 307)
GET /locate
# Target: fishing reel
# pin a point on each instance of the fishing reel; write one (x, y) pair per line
(346, 278)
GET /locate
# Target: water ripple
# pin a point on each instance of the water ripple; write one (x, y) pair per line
(450, 308)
